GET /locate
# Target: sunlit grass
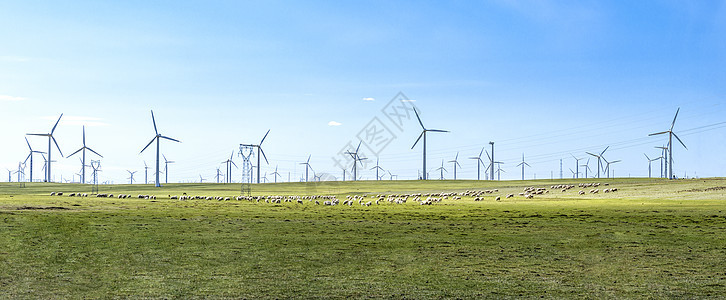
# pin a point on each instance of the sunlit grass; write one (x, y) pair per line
(652, 238)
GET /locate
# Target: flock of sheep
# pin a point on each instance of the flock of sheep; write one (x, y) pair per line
(370, 199)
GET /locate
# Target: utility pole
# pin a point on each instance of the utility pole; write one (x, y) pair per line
(560, 168)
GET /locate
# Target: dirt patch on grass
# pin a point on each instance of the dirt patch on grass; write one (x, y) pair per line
(711, 189)
(42, 208)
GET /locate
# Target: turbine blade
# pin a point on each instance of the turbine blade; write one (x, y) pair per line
(89, 149)
(527, 164)
(263, 154)
(56, 145)
(309, 156)
(437, 130)
(679, 139)
(419, 138)
(264, 137)
(358, 148)
(591, 154)
(38, 134)
(26, 141)
(153, 120)
(652, 134)
(482, 152)
(147, 146)
(171, 139)
(419, 119)
(84, 136)
(166, 161)
(603, 152)
(79, 150)
(56, 124)
(674, 118)
(646, 156)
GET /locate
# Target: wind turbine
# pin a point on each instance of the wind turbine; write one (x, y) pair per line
(230, 163)
(157, 138)
(499, 170)
(573, 173)
(607, 166)
(356, 160)
(523, 163)
(664, 160)
(201, 179)
(456, 162)
(21, 170)
(577, 166)
(307, 166)
(218, 175)
(587, 166)
(10, 174)
(50, 138)
(377, 168)
(275, 174)
(264, 178)
(650, 161)
(479, 163)
(599, 158)
(131, 176)
(259, 151)
(83, 156)
(423, 134)
(671, 134)
(146, 173)
(392, 175)
(30, 156)
(442, 169)
(166, 168)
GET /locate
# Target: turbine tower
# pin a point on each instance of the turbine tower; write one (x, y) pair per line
(157, 138)
(83, 156)
(671, 134)
(523, 163)
(146, 173)
(423, 134)
(456, 162)
(599, 158)
(50, 138)
(479, 163)
(30, 156)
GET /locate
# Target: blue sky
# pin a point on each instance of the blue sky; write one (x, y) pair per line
(543, 78)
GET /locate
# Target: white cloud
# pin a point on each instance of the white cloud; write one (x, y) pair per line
(333, 123)
(369, 99)
(11, 98)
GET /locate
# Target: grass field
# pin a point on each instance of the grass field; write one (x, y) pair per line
(651, 239)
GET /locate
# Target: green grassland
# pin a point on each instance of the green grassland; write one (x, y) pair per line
(651, 239)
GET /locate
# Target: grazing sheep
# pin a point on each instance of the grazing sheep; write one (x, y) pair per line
(510, 196)
(498, 198)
